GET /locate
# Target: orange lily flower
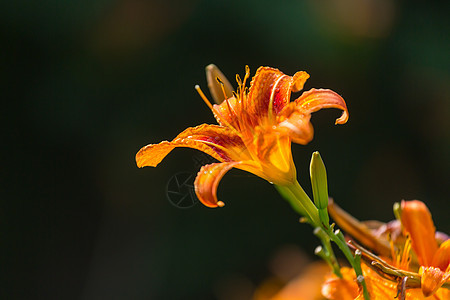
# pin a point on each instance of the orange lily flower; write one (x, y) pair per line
(255, 131)
(379, 288)
(397, 275)
(434, 260)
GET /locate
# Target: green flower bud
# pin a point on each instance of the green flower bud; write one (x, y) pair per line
(319, 181)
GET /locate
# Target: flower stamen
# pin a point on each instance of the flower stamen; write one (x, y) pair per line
(242, 86)
(222, 86)
(200, 92)
(208, 103)
(406, 257)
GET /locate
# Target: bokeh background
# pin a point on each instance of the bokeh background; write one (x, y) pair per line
(87, 83)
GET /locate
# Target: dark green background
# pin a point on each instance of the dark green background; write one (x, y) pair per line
(87, 83)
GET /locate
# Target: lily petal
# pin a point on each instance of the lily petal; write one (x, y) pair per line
(219, 142)
(441, 258)
(432, 279)
(298, 81)
(294, 120)
(270, 91)
(416, 220)
(344, 288)
(296, 125)
(227, 112)
(207, 181)
(274, 156)
(316, 99)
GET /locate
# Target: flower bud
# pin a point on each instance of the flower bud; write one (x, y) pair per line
(319, 181)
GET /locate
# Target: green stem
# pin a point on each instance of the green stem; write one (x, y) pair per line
(328, 253)
(353, 260)
(302, 204)
(300, 201)
(290, 197)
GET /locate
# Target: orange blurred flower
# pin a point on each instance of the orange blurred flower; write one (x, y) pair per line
(434, 260)
(398, 275)
(306, 286)
(255, 131)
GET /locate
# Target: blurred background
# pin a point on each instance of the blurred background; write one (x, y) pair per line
(86, 84)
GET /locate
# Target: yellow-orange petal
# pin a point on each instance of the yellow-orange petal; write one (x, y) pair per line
(441, 258)
(296, 125)
(152, 155)
(316, 99)
(432, 279)
(416, 220)
(274, 160)
(298, 81)
(227, 113)
(207, 181)
(219, 142)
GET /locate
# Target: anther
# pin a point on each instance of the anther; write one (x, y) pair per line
(222, 85)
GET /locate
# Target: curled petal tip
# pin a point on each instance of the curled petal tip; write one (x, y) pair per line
(316, 99)
(342, 119)
(151, 155)
(207, 181)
